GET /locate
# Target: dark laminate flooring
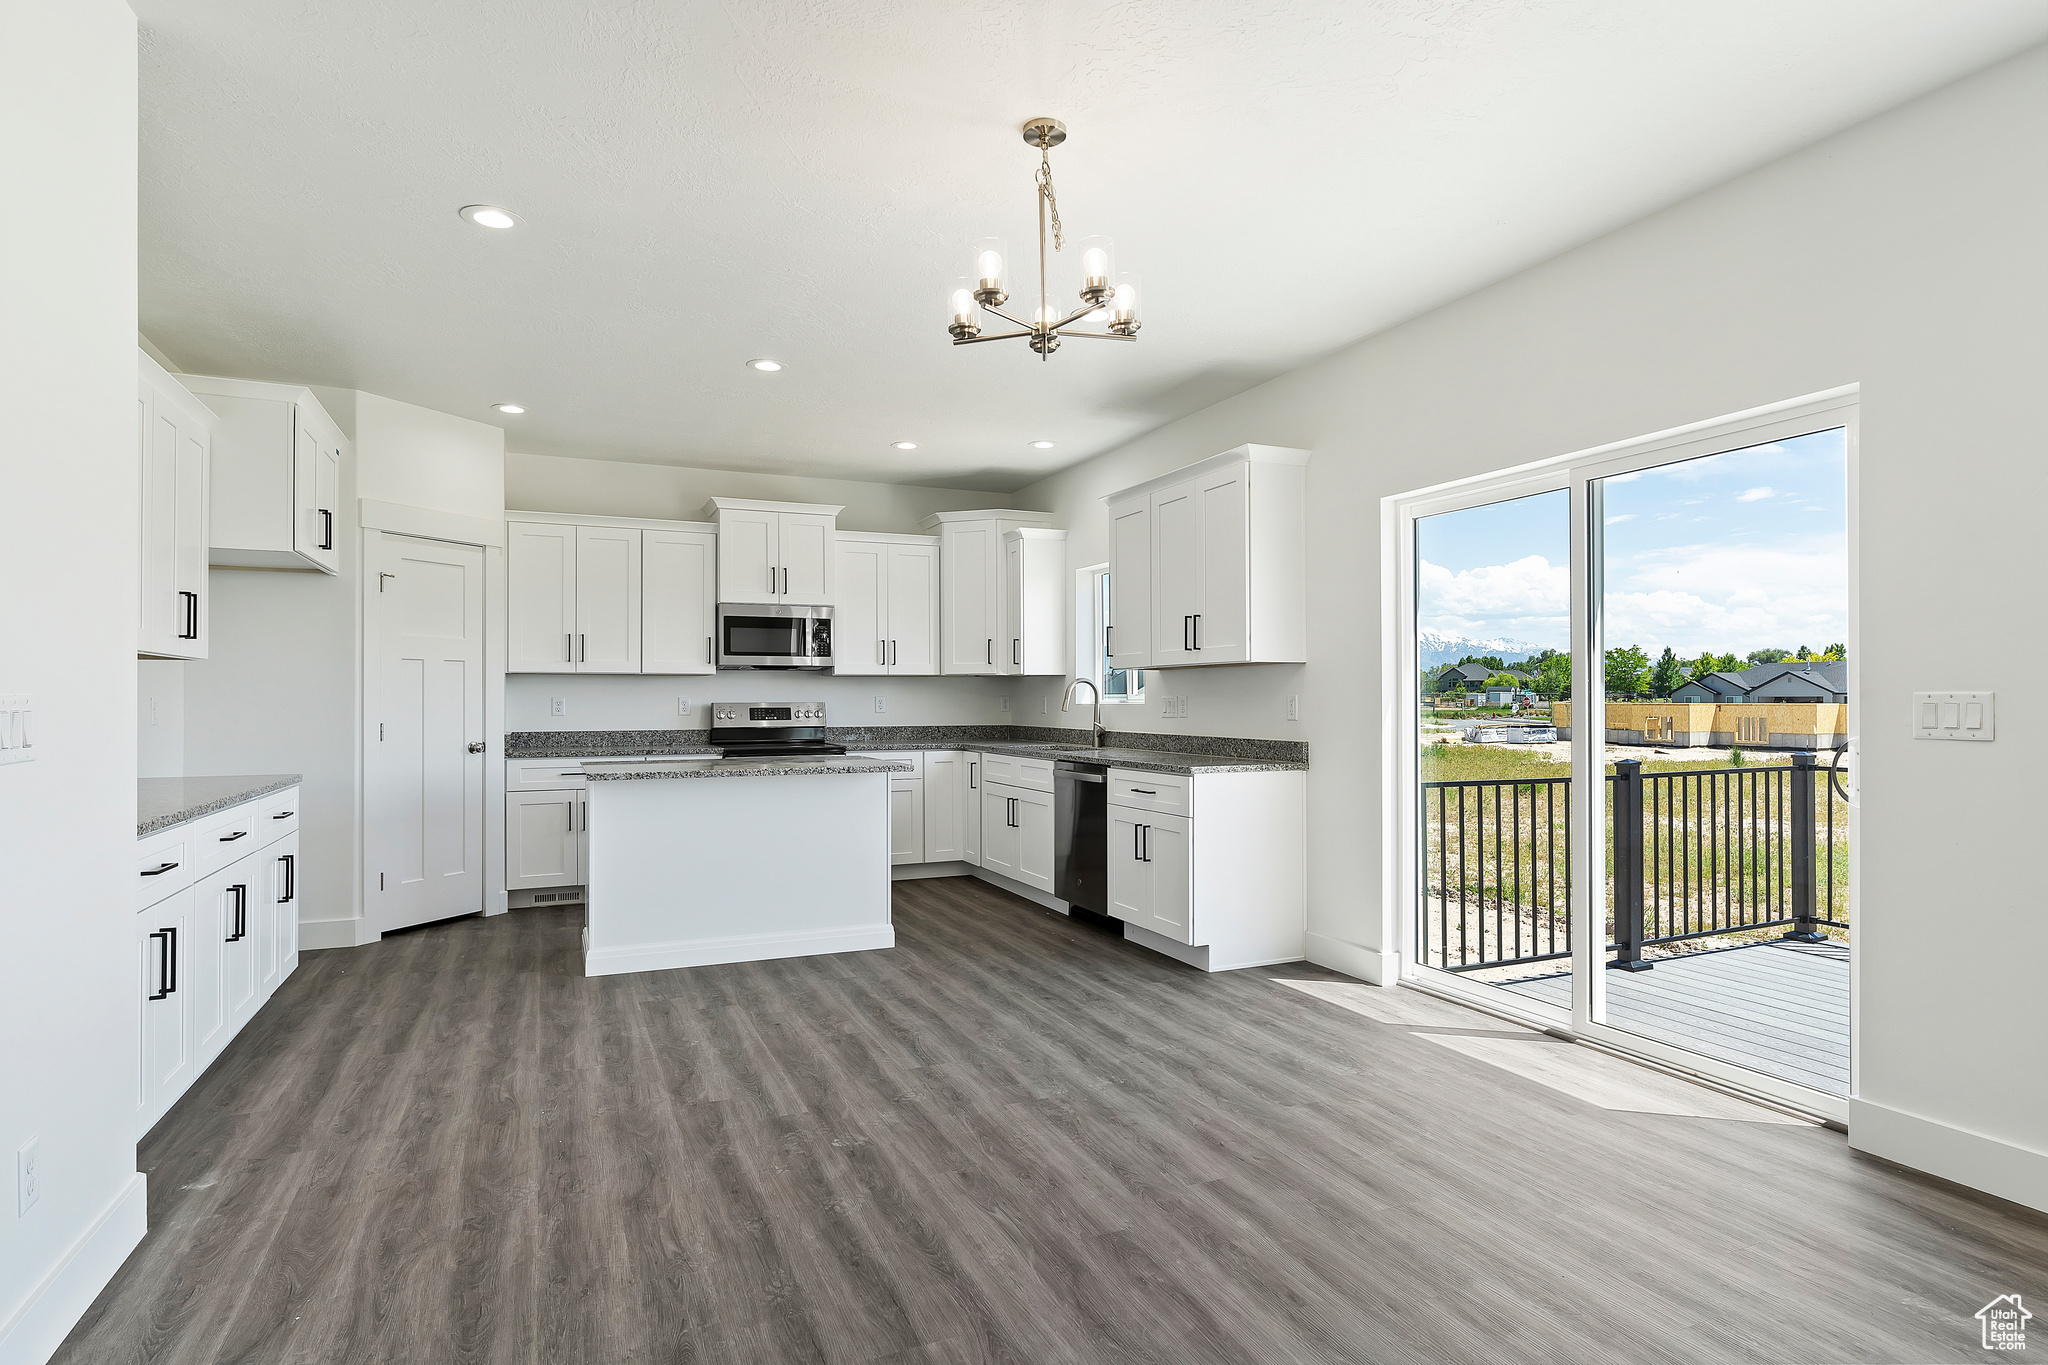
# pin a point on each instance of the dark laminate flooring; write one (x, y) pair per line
(1010, 1138)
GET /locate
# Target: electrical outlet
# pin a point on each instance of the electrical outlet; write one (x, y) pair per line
(1045, 706)
(558, 706)
(1006, 703)
(28, 1164)
(682, 706)
(1293, 707)
(881, 705)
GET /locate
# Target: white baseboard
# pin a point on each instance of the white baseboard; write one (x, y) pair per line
(331, 933)
(912, 872)
(703, 952)
(1370, 965)
(54, 1307)
(1992, 1165)
(1016, 888)
(1193, 955)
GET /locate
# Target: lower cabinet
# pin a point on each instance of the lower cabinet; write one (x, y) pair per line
(948, 803)
(1016, 834)
(906, 820)
(1149, 872)
(546, 833)
(163, 945)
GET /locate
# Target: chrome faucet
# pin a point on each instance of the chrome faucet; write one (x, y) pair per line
(1067, 704)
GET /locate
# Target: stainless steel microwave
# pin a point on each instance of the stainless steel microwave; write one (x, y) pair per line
(753, 635)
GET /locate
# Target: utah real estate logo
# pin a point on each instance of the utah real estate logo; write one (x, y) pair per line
(2005, 1323)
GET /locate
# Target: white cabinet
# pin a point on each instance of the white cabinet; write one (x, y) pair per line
(163, 941)
(540, 596)
(906, 819)
(1016, 834)
(277, 458)
(1034, 608)
(1130, 583)
(221, 968)
(970, 813)
(175, 438)
(277, 950)
(1211, 558)
(1149, 870)
(607, 599)
(885, 612)
(678, 601)
(982, 609)
(774, 551)
(946, 808)
(545, 836)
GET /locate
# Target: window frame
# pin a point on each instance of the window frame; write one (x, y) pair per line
(1089, 643)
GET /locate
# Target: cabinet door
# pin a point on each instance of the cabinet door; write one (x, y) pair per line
(543, 845)
(216, 915)
(912, 583)
(1176, 573)
(678, 601)
(1034, 838)
(859, 644)
(1130, 584)
(241, 971)
(807, 558)
(970, 812)
(906, 820)
(607, 599)
(316, 486)
(193, 552)
(749, 557)
(1010, 638)
(277, 945)
(1219, 635)
(970, 602)
(162, 941)
(1167, 852)
(540, 594)
(1130, 881)
(1000, 833)
(943, 810)
(164, 613)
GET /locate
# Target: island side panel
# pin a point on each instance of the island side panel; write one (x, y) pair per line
(690, 871)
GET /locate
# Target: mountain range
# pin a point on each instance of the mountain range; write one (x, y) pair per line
(1436, 648)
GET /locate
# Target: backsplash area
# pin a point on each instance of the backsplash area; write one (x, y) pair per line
(596, 701)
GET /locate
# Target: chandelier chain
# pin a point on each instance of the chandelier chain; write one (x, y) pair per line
(1051, 199)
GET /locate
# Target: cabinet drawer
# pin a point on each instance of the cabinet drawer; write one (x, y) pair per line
(279, 816)
(1030, 774)
(542, 774)
(914, 757)
(222, 838)
(161, 870)
(1163, 793)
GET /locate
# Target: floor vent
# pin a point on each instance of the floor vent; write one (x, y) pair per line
(542, 896)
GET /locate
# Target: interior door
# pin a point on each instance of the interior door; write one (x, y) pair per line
(678, 601)
(970, 597)
(807, 559)
(1176, 573)
(1220, 630)
(912, 584)
(607, 599)
(749, 557)
(540, 595)
(1130, 584)
(423, 766)
(859, 614)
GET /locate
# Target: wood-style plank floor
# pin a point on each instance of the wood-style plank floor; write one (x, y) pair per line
(1010, 1138)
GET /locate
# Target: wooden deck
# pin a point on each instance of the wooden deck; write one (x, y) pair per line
(1778, 1008)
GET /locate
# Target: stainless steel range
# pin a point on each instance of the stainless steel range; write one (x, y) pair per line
(759, 729)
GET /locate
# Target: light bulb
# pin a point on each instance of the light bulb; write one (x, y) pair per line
(489, 215)
(1095, 261)
(509, 409)
(963, 303)
(765, 366)
(990, 265)
(903, 445)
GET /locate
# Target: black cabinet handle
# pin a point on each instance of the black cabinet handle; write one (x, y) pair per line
(1198, 630)
(1107, 647)
(707, 650)
(173, 988)
(163, 963)
(241, 895)
(991, 653)
(1016, 653)
(238, 834)
(327, 533)
(191, 630)
(284, 815)
(971, 785)
(1146, 842)
(1187, 625)
(1137, 843)
(159, 869)
(1144, 791)
(785, 582)
(291, 878)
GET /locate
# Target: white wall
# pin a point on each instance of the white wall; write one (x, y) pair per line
(160, 718)
(421, 458)
(1905, 254)
(613, 488)
(69, 554)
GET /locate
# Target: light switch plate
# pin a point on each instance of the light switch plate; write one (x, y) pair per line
(1954, 715)
(17, 730)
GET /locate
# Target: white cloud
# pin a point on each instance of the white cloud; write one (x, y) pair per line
(1625, 516)
(1730, 597)
(1756, 495)
(1529, 599)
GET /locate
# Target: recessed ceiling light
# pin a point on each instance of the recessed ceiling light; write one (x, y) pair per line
(765, 366)
(509, 409)
(904, 445)
(1041, 445)
(490, 216)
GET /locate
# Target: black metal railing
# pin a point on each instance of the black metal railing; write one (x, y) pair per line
(1691, 854)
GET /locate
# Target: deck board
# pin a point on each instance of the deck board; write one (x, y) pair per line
(1778, 1008)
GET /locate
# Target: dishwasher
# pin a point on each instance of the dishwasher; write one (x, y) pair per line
(1080, 833)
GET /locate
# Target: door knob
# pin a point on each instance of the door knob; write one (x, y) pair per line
(476, 746)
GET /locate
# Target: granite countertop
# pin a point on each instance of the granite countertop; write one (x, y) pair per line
(641, 769)
(166, 802)
(1140, 760)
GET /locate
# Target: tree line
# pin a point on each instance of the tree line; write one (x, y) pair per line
(1630, 672)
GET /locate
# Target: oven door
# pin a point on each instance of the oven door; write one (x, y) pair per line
(751, 636)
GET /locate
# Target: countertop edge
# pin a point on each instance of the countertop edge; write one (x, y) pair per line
(265, 785)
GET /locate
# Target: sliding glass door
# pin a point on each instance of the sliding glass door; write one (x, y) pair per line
(1626, 751)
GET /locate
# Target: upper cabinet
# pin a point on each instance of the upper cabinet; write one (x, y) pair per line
(982, 621)
(886, 604)
(1208, 563)
(774, 551)
(175, 433)
(277, 460)
(1034, 615)
(608, 595)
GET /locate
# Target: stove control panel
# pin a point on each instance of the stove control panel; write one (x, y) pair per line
(768, 715)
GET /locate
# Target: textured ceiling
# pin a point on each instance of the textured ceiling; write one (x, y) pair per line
(705, 182)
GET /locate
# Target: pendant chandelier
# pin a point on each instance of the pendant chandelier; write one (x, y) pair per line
(1109, 302)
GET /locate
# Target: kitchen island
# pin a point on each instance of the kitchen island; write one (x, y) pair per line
(696, 860)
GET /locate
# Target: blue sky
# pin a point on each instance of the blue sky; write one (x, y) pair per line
(1732, 552)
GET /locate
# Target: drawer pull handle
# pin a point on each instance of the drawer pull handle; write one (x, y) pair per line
(284, 815)
(238, 834)
(159, 869)
(1144, 791)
